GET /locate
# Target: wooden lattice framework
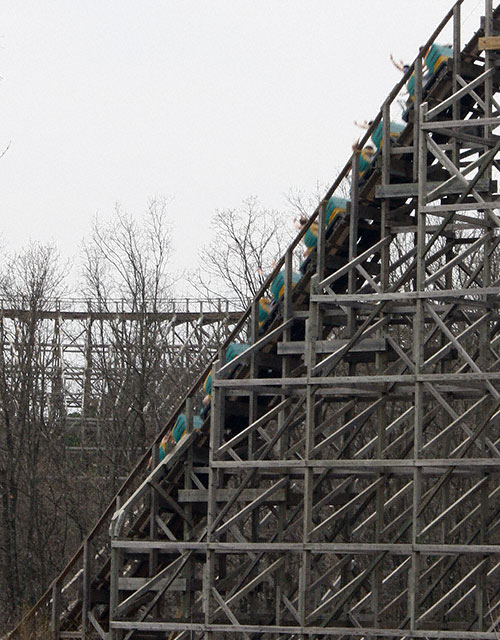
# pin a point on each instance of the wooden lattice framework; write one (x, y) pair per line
(346, 483)
(77, 337)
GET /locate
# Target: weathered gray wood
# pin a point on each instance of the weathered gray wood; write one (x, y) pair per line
(102, 634)
(338, 631)
(405, 295)
(392, 465)
(257, 424)
(166, 577)
(352, 263)
(330, 346)
(257, 580)
(86, 581)
(223, 495)
(261, 499)
(409, 189)
(455, 97)
(463, 206)
(56, 610)
(358, 445)
(228, 612)
(140, 546)
(475, 122)
(133, 584)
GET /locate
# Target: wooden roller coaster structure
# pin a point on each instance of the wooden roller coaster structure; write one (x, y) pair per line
(345, 481)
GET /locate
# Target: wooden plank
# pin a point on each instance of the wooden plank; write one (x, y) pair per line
(257, 580)
(263, 497)
(132, 584)
(409, 189)
(352, 263)
(330, 346)
(56, 610)
(472, 206)
(479, 464)
(179, 317)
(223, 495)
(458, 94)
(473, 122)
(404, 295)
(171, 570)
(86, 587)
(347, 632)
(488, 43)
(97, 626)
(358, 548)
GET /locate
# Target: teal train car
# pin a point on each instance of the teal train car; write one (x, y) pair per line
(180, 426)
(336, 206)
(264, 310)
(436, 55)
(365, 159)
(278, 284)
(162, 449)
(395, 130)
(410, 86)
(233, 349)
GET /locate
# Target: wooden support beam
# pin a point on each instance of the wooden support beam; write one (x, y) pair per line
(223, 495)
(133, 584)
(330, 346)
(489, 43)
(408, 190)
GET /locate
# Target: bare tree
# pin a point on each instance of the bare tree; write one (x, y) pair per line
(246, 242)
(126, 271)
(126, 258)
(32, 418)
(303, 204)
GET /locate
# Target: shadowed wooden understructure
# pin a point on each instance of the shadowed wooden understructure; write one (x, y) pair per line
(345, 481)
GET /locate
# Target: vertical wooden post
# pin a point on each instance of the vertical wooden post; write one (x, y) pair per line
(353, 238)
(418, 356)
(86, 581)
(287, 297)
(188, 483)
(252, 409)
(56, 610)
(312, 329)
(416, 113)
(253, 403)
(485, 337)
(153, 513)
(320, 248)
(116, 562)
(456, 71)
(214, 481)
(381, 358)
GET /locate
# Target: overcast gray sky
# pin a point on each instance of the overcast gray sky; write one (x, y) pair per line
(206, 102)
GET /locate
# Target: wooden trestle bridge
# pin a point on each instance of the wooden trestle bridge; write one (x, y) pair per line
(345, 482)
(78, 339)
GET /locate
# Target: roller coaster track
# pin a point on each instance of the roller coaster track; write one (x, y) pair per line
(345, 483)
